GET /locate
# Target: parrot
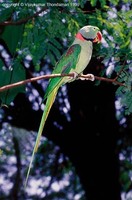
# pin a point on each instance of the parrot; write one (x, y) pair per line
(74, 60)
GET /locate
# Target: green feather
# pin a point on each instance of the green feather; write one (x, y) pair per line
(66, 63)
(75, 59)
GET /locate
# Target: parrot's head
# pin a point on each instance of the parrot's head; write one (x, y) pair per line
(91, 33)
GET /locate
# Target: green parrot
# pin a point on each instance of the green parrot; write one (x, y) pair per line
(74, 60)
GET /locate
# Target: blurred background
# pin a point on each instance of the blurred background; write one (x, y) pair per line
(86, 147)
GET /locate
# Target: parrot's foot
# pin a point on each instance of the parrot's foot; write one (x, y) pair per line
(74, 76)
(89, 77)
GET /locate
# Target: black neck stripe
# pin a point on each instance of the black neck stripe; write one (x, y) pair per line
(88, 39)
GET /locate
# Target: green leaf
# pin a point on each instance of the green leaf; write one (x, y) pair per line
(93, 2)
(53, 49)
(56, 43)
(114, 2)
(8, 77)
(5, 13)
(51, 57)
(103, 3)
(12, 35)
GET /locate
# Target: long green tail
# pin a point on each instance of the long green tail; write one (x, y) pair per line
(49, 103)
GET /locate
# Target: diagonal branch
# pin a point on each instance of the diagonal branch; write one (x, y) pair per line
(122, 68)
(24, 20)
(88, 76)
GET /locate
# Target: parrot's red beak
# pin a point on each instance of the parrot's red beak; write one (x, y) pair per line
(98, 37)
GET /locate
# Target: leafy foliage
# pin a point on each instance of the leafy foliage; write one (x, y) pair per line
(42, 38)
(11, 69)
(8, 76)
(29, 44)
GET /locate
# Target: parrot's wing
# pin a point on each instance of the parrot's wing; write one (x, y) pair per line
(67, 62)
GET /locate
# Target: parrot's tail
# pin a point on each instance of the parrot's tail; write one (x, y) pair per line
(49, 103)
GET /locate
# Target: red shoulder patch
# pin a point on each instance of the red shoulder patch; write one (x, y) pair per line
(70, 50)
(79, 36)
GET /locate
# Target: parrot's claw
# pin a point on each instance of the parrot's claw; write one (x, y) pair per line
(89, 77)
(75, 75)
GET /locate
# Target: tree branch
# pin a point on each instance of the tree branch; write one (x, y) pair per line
(24, 20)
(110, 80)
(10, 86)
